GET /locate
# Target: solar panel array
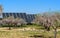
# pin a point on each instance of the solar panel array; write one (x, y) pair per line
(27, 17)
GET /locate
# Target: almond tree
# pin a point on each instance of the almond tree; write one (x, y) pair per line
(55, 23)
(22, 21)
(18, 21)
(44, 21)
(1, 23)
(8, 21)
(49, 21)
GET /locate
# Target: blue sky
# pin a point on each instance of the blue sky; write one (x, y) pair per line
(30, 6)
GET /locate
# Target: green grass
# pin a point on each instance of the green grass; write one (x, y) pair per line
(15, 33)
(33, 26)
(22, 34)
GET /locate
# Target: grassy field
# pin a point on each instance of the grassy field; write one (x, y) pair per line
(16, 33)
(24, 33)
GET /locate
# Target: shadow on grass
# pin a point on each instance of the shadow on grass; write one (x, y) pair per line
(40, 36)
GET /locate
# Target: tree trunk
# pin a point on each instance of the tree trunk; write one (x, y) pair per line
(55, 33)
(9, 27)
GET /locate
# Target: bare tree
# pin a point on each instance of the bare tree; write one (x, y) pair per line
(8, 21)
(55, 23)
(18, 21)
(49, 20)
(43, 20)
(1, 23)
